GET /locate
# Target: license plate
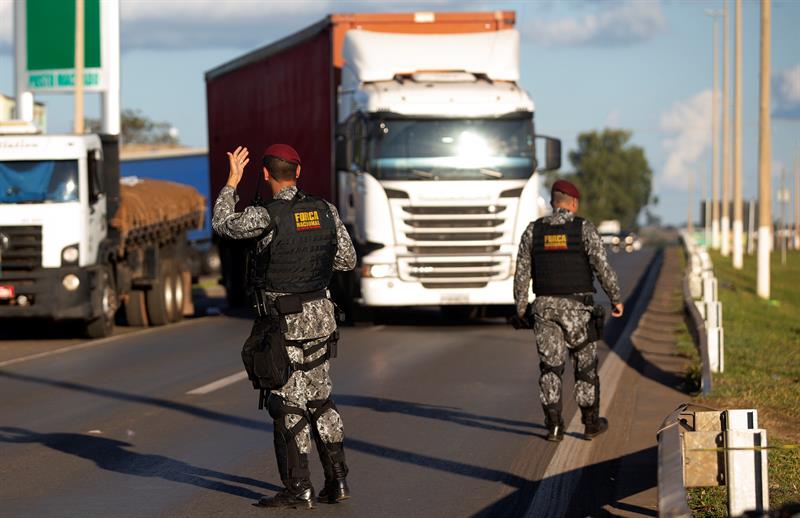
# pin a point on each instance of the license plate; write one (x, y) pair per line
(6, 292)
(455, 298)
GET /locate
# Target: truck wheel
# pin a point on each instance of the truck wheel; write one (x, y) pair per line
(178, 292)
(103, 325)
(136, 309)
(161, 296)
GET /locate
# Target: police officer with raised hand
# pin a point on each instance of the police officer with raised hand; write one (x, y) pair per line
(561, 253)
(298, 241)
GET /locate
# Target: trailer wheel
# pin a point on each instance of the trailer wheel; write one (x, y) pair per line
(178, 291)
(136, 309)
(161, 296)
(103, 325)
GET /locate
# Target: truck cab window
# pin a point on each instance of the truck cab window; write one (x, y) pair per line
(358, 129)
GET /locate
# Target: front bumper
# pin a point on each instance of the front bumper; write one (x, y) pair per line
(395, 292)
(48, 298)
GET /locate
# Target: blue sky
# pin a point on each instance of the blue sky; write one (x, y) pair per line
(644, 65)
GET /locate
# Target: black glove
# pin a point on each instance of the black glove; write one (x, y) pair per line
(524, 322)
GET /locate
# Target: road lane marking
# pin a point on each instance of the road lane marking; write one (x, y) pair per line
(220, 383)
(101, 341)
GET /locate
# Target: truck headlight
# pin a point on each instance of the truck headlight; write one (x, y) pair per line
(379, 271)
(71, 282)
(70, 254)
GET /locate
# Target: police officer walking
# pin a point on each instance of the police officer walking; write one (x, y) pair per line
(560, 253)
(299, 241)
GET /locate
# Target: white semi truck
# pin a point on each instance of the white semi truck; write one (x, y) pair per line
(76, 244)
(434, 168)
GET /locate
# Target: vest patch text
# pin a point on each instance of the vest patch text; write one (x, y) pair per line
(555, 242)
(306, 220)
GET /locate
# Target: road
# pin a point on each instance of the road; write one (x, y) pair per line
(442, 419)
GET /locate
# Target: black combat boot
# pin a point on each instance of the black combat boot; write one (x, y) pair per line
(332, 457)
(554, 423)
(298, 494)
(594, 425)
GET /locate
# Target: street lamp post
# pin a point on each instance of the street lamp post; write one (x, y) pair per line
(714, 130)
(738, 260)
(725, 222)
(764, 156)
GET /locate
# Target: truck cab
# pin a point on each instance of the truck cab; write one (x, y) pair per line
(437, 166)
(56, 192)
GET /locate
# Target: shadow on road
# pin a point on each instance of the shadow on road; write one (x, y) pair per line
(111, 455)
(443, 413)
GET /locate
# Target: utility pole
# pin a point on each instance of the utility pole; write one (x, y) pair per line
(725, 223)
(714, 131)
(797, 202)
(738, 261)
(689, 217)
(706, 209)
(764, 155)
(79, 55)
(783, 228)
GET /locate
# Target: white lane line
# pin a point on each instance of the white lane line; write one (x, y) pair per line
(220, 383)
(101, 341)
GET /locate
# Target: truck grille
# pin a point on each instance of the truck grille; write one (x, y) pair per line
(22, 250)
(433, 235)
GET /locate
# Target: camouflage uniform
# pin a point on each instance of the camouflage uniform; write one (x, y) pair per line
(561, 323)
(313, 325)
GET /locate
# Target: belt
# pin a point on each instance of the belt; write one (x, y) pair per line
(284, 304)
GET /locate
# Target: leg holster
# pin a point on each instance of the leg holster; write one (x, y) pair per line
(331, 454)
(292, 465)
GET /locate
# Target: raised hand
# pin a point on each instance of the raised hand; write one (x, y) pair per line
(237, 160)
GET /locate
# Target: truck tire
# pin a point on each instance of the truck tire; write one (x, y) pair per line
(178, 291)
(103, 325)
(161, 296)
(136, 309)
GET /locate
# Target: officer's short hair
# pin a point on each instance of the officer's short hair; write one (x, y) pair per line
(279, 168)
(557, 197)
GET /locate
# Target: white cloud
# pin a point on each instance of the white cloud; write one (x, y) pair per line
(786, 90)
(688, 124)
(623, 23)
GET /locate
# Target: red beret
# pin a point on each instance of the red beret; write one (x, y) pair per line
(567, 188)
(284, 152)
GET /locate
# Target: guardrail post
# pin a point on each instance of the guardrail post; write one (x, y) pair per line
(716, 348)
(746, 468)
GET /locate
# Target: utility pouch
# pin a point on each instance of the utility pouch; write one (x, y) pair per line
(597, 322)
(333, 345)
(271, 365)
(289, 304)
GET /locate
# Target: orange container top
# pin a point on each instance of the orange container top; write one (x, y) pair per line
(417, 23)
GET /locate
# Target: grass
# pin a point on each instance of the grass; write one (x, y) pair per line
(762, 370)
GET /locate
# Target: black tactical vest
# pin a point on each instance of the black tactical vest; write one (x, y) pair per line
(560, 264)
(299, 258)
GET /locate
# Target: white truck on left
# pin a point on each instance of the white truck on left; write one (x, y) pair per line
(77, 244)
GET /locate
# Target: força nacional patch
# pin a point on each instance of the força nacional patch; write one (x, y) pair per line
(555, 242)
(307, 220)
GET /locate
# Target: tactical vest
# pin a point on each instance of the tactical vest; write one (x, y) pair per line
(560, 264)
(299, 258)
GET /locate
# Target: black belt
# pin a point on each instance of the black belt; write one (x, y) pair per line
(586, 300)
(284, 304)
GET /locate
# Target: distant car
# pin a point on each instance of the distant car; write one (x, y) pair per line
(627, 241)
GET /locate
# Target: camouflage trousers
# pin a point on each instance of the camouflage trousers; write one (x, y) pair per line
(303, 387)
(561, 326)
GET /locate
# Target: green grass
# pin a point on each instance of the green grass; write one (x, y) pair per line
(762, 369)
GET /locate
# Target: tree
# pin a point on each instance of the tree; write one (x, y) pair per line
(613, 176)
(140, 129)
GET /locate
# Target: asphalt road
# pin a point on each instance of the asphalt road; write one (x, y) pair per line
(442, 419)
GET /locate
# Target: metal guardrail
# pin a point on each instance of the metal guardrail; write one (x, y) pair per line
(703, 447)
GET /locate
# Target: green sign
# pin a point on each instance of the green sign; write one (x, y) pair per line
(50, 44)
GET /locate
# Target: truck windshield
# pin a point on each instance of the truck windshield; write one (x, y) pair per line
(37, 181)
(451, 149)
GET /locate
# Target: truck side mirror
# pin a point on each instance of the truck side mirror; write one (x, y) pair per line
(552, 152)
